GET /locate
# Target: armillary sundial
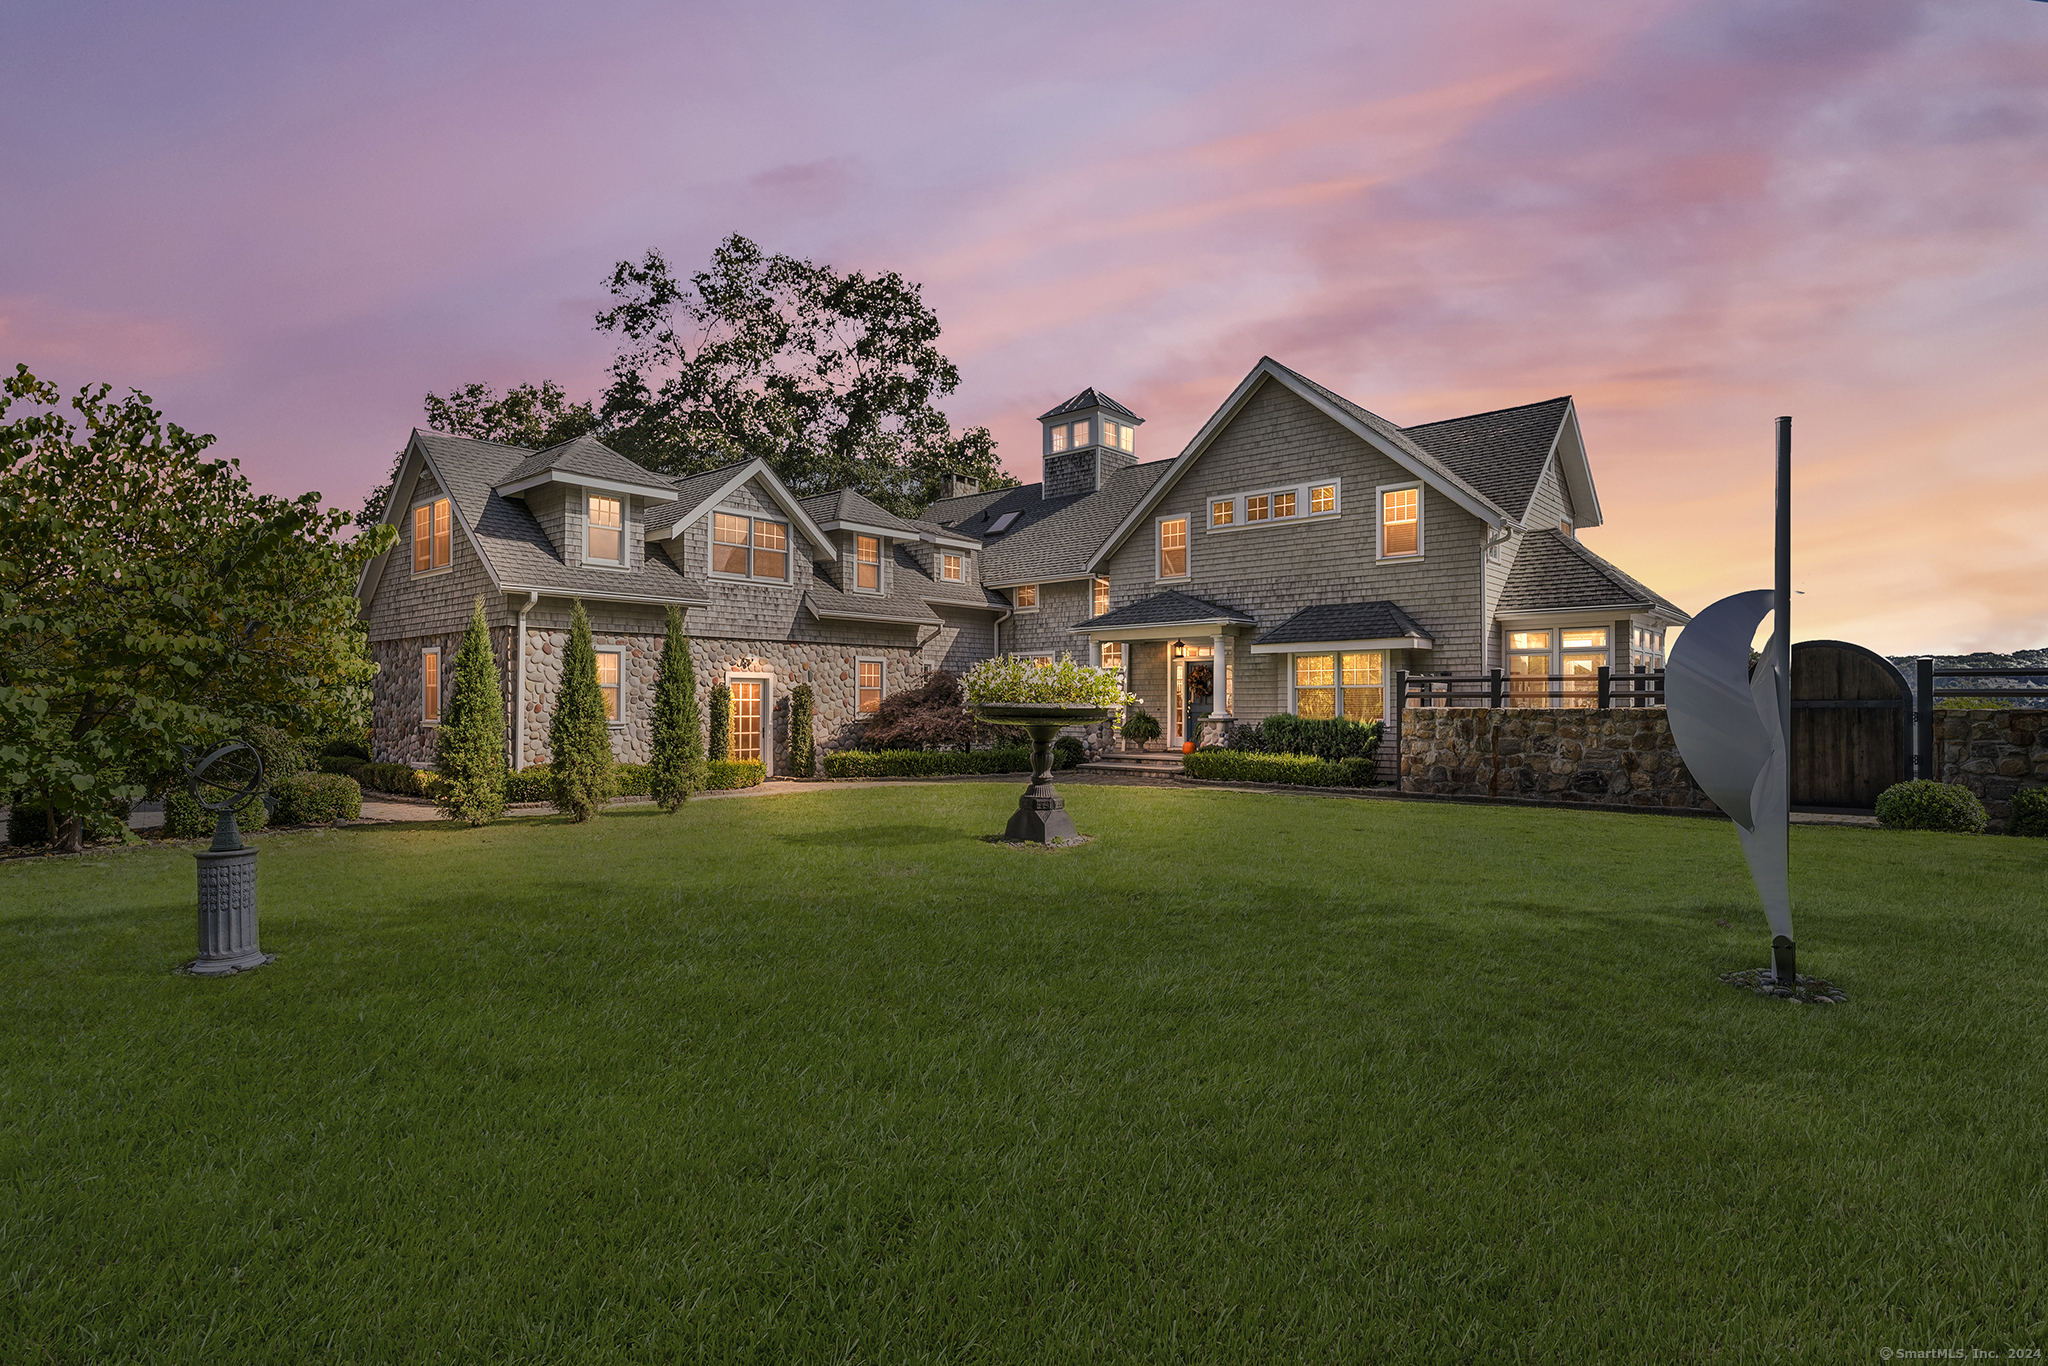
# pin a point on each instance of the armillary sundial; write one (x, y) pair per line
(223, 781)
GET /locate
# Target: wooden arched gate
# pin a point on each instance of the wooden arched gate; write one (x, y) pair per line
(1851, 712)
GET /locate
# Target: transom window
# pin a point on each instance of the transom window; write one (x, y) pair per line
(749, 547)
(867, 563)
(1322, 498)
(604, 531)
(1348, 685)
(608, 682)
(432, 538)
(1268, 506)
(950, 568)
(1101, 596)
(1173, 548)
(1400, 522)
(1027, 595)
(868, 686)
(1223, 512)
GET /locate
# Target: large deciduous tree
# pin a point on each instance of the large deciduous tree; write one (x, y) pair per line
(149, 599)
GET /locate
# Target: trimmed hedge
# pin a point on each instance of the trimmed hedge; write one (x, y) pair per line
(1924, 804)
(186, 819)
(1335, 739)
(926, 763)
(400, 779)
(1299, 770)
(2029, 812)
(723, 775)
(316, 798)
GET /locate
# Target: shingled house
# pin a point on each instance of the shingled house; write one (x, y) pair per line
(1298, 551)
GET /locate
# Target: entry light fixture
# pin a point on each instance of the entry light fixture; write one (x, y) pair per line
(1180, 649)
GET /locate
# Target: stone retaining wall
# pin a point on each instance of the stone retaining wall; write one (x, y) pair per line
(1993, 753)
(1625, 756)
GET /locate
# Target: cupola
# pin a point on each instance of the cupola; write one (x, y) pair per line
(1087, 440)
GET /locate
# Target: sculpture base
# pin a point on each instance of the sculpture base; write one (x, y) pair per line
(227, 914)
(1041, 817)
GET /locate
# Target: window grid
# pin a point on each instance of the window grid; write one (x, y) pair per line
(432, 536)
(1027, 595)
(867, 563)
(1173, 548)
(1400, 522)
(1101, 597)
(608, 683)
(604, 533)
(746, 718)
(749, 547)
(430, 686)
(950, 568)
(868, 686)
(1246, 510)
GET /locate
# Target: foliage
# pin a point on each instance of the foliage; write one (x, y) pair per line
(2029, 812)
(469, 744)
(314, 798)
(830, 378)
(1013, 679)
(338, 763)
(803, 744)
(932, 715)
(283, 757)
(150, 598)
(1141, 726)
(1068, 751)
(30, 826)
(926, 763)
(402, 780)
(1302, 770)
(719, 746)
(579, 737)
(530, 415)
(1333, 739)
(724, 775)
(678, 732)
(1923, 804)
(346, 749)
(186, 819)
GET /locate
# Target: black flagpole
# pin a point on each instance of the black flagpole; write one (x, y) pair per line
(1783, 967)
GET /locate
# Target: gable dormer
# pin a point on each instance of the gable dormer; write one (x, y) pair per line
(588, 499)
(1086, 440)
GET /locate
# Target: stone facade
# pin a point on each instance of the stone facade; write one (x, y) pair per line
(1993, 753)
(1620, 757)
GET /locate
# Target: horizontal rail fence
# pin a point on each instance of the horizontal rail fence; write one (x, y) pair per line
(1641, 688)
(1926, 696)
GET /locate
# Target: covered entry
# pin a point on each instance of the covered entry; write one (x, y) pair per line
(1174, 651)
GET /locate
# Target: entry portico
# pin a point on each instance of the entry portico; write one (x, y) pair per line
(1173, 646)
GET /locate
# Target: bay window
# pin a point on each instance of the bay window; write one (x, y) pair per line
(1347, 685)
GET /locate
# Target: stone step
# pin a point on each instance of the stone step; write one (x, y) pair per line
(1167, 765)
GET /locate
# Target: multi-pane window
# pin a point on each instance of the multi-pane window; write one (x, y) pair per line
(1120, 435)
(1315, 686)
(1283, 505)
(1582, 653)
(1258, 508)
(867, 563)
(749, 547)
(432, 538)
(868, 686)
(1173, 548)
(1027, 595)
(1113, 655)
(1101, 596)
(1322, 498)
(608, 682)
(604, 531)
(1273, 505)
(1079, 436)
(1400, 522)
(1528, 668)
(1574, 655)
(1223, 512)
(1059, 437)
(950, 568)
(1349, 685)
(1364, 695)
(430, 686)
(746, 718)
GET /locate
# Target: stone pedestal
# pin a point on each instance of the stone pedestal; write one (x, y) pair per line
(1041, 816)
(227, 914)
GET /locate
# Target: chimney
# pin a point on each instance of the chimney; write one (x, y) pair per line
(957, 485)
(1087, 440)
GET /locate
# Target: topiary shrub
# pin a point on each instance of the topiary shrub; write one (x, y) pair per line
(2029, 814)
(803, 746)
(186, 819)
(1141, 727)
(579, 736)
(678, 767)
(1924, 804)
(1068, 751)
(316, 798)
(469, 747)
(718, 745)
(722, 775)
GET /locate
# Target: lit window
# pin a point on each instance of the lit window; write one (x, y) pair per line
(1322, 498)
(1127, 438)
(605, 534)
(430, 686)
(1040, 661)
(1109, 433)
(729, 538)
(1173, 548)
(1258, 508)
(749, 547)
(1528, 668)
(608, 682)
(746, 718)
(1584, 638)
(1223, 512)
(771, 550)
(1315, 686)
(1565, 527)
(1027, 595)
(949, 568)
(1283, 505)
(1101, 596)
(867, 563)
(869, 686)
(1363, 697)
(1059, 437)
(1400, 522)
(1113, 655)
(1528, 640)
(1080, 436)
(432, 538)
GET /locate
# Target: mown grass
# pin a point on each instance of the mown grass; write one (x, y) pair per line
(827, 1077)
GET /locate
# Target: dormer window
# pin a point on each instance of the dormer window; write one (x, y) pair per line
(867, 564)
(950, 568)
(604, 537)
(749, 547)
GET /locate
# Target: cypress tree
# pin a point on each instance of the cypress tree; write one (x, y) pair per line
(720, 747)
(579, 741)
(803, 750)
(469, 750)
(678, 767)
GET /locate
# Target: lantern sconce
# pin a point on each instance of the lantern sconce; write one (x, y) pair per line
(1180, 649)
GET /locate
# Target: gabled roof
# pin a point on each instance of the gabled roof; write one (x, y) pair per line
(1347, 623)
(1368, 426)
(1556, 573)
(582, 459)
(1165, 609)
(1052, 538)
(849, 509)
(1501, 453)
(696, 495)
(1090, 398)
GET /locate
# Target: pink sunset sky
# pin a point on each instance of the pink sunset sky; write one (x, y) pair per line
(287, 223)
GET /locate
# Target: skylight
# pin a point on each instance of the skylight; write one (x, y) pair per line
(1002, 523)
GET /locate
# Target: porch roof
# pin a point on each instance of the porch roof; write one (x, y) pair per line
(1163, 613)
(1346, 625)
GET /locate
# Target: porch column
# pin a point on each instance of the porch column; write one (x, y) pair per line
(1222, 680)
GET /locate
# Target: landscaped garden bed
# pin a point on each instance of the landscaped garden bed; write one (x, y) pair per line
(831, 1077)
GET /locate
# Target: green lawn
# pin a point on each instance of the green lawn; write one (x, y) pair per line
(826, 1077)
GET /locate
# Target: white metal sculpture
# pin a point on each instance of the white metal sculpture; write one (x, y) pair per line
(1733, 725)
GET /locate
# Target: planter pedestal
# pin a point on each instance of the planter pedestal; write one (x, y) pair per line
(1041, 816)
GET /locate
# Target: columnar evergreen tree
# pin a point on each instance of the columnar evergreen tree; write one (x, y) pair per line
(469, 749)
(803, 750)
(678, 767)
(579, 741)
(720, 746)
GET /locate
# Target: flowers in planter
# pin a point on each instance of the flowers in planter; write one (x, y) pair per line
(1027, 680)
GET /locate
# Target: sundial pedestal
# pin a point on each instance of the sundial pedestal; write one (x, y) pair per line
(227, 876)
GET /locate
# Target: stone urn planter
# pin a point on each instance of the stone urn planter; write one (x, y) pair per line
(1041, 816)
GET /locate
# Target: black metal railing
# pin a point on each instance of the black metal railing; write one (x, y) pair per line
(1603, 688)
(1926, 696)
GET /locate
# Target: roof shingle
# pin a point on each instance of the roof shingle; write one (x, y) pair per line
(1341, 621)
(1555, 573)
(1500, 453)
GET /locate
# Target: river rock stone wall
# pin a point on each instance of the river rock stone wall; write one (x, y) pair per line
(1620, 757)
(1993, 753)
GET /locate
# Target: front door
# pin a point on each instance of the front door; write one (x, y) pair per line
(746, 718)
(1194, 694)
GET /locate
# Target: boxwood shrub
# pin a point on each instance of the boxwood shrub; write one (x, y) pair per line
(1300, 770)
(1335, 739)
(1924, 804)
(315, 798)
(186, 819)
(400, 779)
(2029, 815)
(725, 774)
(926, 763)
